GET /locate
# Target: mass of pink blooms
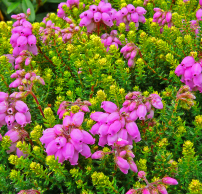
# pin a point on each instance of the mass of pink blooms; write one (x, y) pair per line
(66, 141)
(191, 73)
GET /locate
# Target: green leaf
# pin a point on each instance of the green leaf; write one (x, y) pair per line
(12, 7)
(27, 4)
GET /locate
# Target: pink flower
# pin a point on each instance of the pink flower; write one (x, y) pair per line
(162, 189)
(141, 174)
(68, 151)
(199, 14)
(169, 181)
(21, 106)
(77, 119)
(122, 163)
(97, 155)
(131, 191)
(141, 112)
(20, 119)
(145, 191)
(77, 135)
(109, 106)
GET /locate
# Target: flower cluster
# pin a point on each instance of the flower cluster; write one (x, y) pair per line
(141, 107)
(73, 107)
(49, 31)
(194, 24)
(97, 15)
(123, 155)
(68, 33)
(22, 37)
(110, 39)
(190, 70)
(68, 140)
(16, 134)
(154, 187)
(13, 111)
(186, 97)
(130, 50)
(162, 18)
(114, 124)
(24, 81)
(70, 4)
(130, 14)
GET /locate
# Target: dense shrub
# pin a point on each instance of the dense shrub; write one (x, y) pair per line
(102, 98)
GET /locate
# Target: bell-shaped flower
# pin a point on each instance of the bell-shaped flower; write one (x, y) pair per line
(3, 107)
(20, 119)
(197, 81)
(199, 14)
(132, 128)
(48, 136)
(114, 128)
(122, 163)
(33, 49)
(59, 156)
(188, 74)
(151, 114)
(52, 148)
(3, 96)
(67, 121)
(111, 139)
(77, 119)
(140, 10)
(61, 142)
(85, 21)
(9, 119)
(97, 17)
(85, 150)
(188, 61)
(179, 70)
(123, 134)
(14, 135)
(93, 8)
(196, 69)
(168, 16)
(103, 130)
(122, 142)
(131, 8)
(76, 136)
(74, 159)
(95, 116)
(20, 153)
(169, 181)
(68, 151)
(95, 128)
(103, 140)
(145, 191)
(131, 191)
(21, 106)
(97, 155)
(141, 111)
(162, 189)
(157, 103)
(109, 106)
(21, 41)
(103, 118)
(87, 137)
(78, 146)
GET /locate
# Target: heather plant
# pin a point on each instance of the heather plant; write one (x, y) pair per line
(102, 97)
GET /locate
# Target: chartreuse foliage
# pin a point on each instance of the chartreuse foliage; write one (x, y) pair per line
(171, 142)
